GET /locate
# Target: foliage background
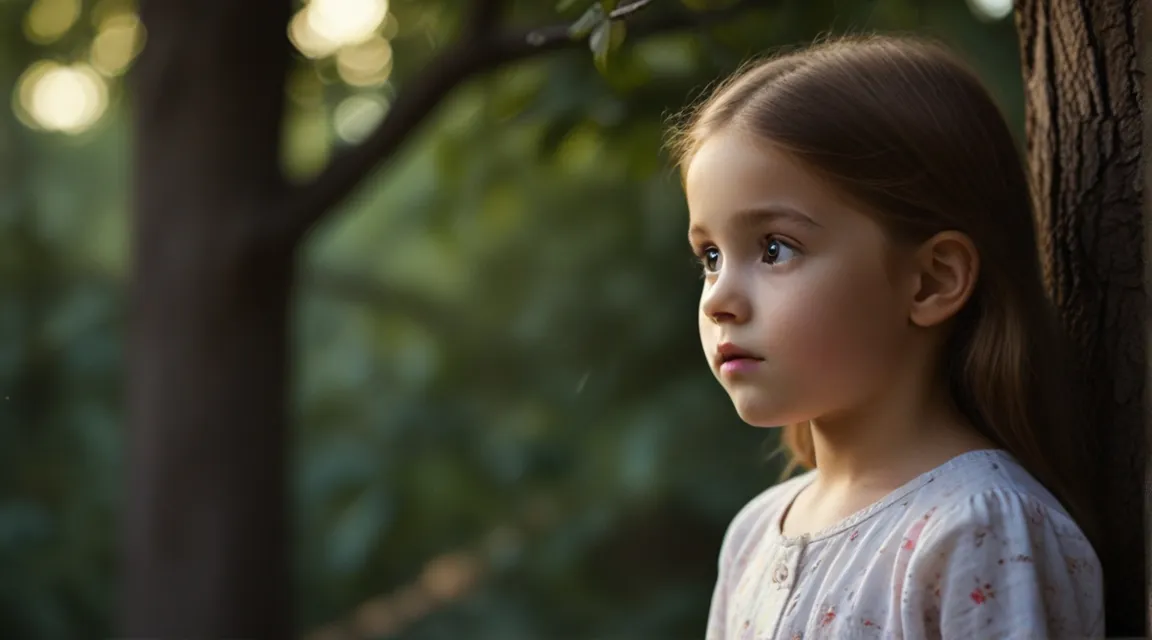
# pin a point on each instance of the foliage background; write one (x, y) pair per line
(505, 428)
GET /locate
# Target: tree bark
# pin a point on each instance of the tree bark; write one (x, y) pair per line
(1145, 45)
(206, 527)
(1085, 137)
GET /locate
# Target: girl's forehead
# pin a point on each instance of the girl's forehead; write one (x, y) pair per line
(733, 173)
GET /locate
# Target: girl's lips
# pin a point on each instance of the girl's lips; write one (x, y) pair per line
(740, 365)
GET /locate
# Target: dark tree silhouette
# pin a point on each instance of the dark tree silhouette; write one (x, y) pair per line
(1085, 139)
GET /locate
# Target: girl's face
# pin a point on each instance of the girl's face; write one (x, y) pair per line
(804, 309)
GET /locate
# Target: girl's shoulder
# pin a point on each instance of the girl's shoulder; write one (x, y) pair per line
(985, 481)
(995, 552)
(994, 498)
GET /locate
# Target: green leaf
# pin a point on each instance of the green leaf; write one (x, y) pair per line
(588, 22)
(606, 38)
(565, 5)
(617, 34)
(608, 5)
(600, 43)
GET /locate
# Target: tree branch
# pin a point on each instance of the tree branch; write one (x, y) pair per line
(308, 204)
(483, 16)
(632, 7)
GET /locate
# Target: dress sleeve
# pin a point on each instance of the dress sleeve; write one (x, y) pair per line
(717, 611)
(1002, 565)
(734, 537)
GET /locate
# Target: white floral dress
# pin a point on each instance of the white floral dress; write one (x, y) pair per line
(973, 549)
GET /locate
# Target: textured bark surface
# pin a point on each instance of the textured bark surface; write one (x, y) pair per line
(1144, 44)
(1085, 138)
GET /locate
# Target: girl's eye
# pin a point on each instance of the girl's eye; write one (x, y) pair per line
(710, 259)
(776, 251)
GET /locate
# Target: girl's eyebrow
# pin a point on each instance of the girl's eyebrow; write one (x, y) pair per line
(752, 217)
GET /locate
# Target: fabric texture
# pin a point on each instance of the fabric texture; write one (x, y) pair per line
(974, 549)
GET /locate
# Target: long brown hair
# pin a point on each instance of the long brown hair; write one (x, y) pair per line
(908, 131)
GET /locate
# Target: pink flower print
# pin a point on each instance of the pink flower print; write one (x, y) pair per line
(914, 533)
(853, 536)
(828, 617)
(932, 617)
(1074, 564)
(1035, 514)
(936, 587)
(742, 562)
(981, 593)
(980, 535)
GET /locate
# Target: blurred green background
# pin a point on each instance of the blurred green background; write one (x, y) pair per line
(505, 426)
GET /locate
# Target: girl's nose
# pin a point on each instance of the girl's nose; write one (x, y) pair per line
(725, 301)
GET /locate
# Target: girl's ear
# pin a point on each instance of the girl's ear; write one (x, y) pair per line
(947, 266)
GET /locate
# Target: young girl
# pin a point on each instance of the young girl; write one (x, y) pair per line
(871, 279)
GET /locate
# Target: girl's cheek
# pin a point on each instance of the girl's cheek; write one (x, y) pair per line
(845, 325)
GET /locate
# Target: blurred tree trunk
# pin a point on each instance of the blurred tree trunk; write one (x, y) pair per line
(206, 532)
(1085, 136)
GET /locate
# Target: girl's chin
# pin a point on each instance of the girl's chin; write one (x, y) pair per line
(763, 426)
(758, 409)
(757, 417)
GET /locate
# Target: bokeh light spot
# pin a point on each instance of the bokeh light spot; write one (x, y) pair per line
(366, 64)
(67, 99)
(118, 41)
(48, 20)
(356, 116)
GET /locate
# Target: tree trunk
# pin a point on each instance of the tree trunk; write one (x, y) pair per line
(206, 547)
(1085, 133)
(1145, 40)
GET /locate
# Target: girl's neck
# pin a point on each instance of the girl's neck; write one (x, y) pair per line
(891, 440)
